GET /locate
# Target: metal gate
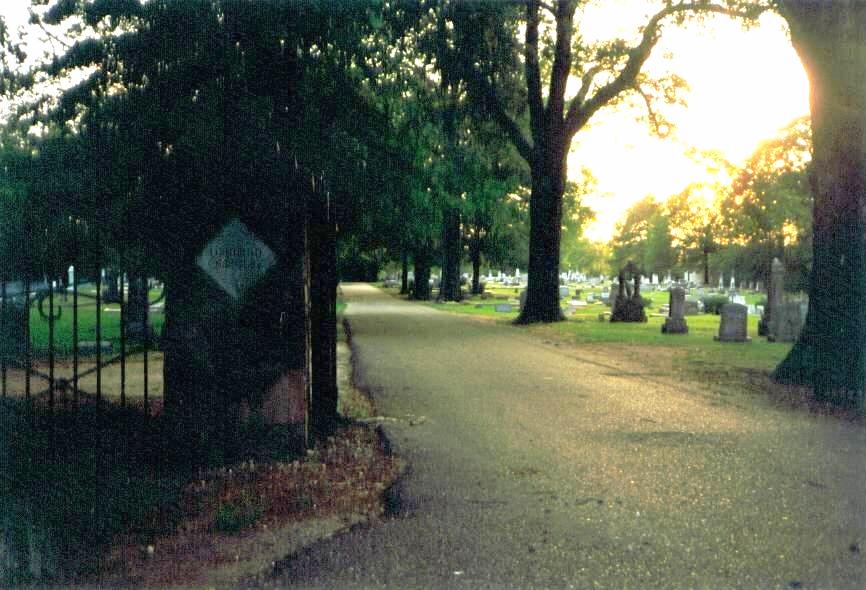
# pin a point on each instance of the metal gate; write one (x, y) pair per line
(83, 340)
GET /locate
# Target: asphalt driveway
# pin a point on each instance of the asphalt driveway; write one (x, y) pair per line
(535, 467)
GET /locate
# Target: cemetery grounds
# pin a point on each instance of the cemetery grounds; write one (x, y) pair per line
(724, 371)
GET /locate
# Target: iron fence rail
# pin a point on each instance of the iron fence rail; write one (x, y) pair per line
(20, 355)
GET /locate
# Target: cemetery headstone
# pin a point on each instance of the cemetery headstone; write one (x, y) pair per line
(137, 324)
(522, 299)
(675, 323)
(787, 322)
(775, 292)
(563, 292)
(111, 290)
(734, 323)
(691, 306)
(502, 307)
(628, 306)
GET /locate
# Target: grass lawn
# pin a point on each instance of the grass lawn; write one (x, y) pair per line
(109, 320)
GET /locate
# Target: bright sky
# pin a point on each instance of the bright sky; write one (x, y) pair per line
(745, 85)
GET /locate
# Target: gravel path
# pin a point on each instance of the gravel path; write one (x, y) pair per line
(532, 467)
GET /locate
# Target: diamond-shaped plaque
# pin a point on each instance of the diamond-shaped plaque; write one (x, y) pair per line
(236, 259)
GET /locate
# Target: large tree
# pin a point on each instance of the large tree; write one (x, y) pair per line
(830, 355)
(768, 211)
(192, 112)
(484, 37)
(693, 216)
(633, 233)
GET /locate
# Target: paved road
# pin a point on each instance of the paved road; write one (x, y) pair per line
(541, 468)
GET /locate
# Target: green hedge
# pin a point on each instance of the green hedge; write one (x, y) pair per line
(714, 303)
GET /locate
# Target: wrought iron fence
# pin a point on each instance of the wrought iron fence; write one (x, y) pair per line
(60, 341)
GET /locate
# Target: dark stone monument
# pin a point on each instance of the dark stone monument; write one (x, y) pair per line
(787, 322)
(628, 306)
(675, 323)
(137, 325)
(775, 291)
(691, 306)
(113, 281)
(734, 323)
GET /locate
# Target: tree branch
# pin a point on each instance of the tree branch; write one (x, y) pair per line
(547, 6)
(533, 72)
(51, 36)
(579, 114)
(486, 93)
(655, 120)
(577, 102)
(561, 60)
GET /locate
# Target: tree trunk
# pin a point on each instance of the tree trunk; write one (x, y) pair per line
(475, 254)
(449, 286)
(830, 355)
(421, 291)
(706, 260)
(545, 232)
(404, 272)
(322, 240)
